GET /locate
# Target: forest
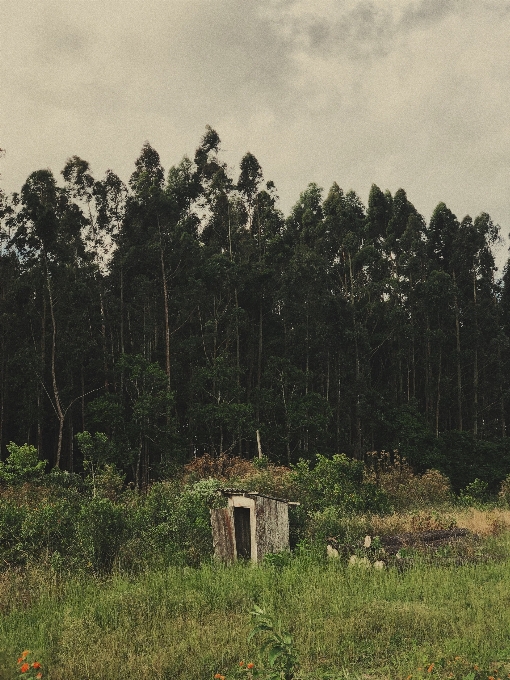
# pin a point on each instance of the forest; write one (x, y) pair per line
(185, 314)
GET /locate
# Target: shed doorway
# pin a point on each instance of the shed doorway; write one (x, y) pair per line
(242, 530)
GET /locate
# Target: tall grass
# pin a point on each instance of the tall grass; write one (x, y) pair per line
(185, 623)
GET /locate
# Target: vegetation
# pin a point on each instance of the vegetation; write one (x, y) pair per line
(97, 576)
(184, 313)
(163, 339)
(181, 622)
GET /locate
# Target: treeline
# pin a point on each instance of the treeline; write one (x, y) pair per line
(183, 313)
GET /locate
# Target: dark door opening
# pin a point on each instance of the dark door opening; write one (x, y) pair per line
(243, 532)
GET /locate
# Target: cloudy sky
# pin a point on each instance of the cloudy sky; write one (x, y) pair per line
(401, 93)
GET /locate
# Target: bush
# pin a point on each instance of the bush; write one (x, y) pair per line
(21, 465)
(337, 482)
(102, 526)
(12, 518)
(405, 489)
(504, 491)
(49, 528)
(475, 493)
(331, 523)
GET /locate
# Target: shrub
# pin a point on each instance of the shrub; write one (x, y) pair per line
(475, 493)
(21, 465)
(337, 482)
(223, 467)
(272, 480)
(504, 491)
(331, 523)
(12, 517)
(101, 528)
(172, 525)
(49, 528)
(405, 489)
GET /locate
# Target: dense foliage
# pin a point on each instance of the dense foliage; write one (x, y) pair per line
(183, 313)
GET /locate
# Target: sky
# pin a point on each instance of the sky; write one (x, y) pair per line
(411, 94)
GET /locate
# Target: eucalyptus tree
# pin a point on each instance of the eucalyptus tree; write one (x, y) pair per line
(49, 243)
(473, 269)
(102, 203)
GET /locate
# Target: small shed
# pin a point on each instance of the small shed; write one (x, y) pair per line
(251, 525)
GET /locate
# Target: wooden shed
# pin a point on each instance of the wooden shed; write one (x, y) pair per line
(250, 526)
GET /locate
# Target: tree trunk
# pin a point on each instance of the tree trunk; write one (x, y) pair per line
(475, 362)
(165, 299)
(459, 372)
(438, 397)
(39, 394)
(56, 395)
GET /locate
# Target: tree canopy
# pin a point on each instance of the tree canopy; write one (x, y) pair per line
(184, 314)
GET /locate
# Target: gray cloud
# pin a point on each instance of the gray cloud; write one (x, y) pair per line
(411, 93)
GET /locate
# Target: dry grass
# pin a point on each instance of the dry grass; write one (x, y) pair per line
(484, 522)
(403, 522)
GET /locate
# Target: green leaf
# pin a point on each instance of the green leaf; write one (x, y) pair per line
(275, 653)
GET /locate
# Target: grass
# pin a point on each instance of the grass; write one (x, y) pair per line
(185, 623)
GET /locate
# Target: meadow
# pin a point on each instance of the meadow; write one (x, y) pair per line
(443, 613)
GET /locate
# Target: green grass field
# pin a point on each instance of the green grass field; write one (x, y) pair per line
(188, 624)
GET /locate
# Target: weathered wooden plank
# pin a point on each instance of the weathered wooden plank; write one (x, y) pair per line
(223, 533)
(272, 526)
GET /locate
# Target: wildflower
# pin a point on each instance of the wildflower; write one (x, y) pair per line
(241, 663)
(36, 664)
(491, 677)
(431, 668)
(25, 667)
(24, 655)
(250, 665)
(38, 676)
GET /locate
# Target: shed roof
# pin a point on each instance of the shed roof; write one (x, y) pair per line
(244, 492)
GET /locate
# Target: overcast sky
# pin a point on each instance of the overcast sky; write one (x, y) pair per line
(401, 93)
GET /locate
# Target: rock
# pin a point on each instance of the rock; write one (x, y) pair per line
(332, 552)
(355, 561)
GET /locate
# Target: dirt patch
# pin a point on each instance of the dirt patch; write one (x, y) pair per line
(421, 540)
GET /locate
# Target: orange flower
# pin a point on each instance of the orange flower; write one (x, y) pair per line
(491, 677)
(430, 668)
(241, 663)
(25, 667)
(38, 676)
(20, 660)
(36, 664)
(250, 665)
(217, 676)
